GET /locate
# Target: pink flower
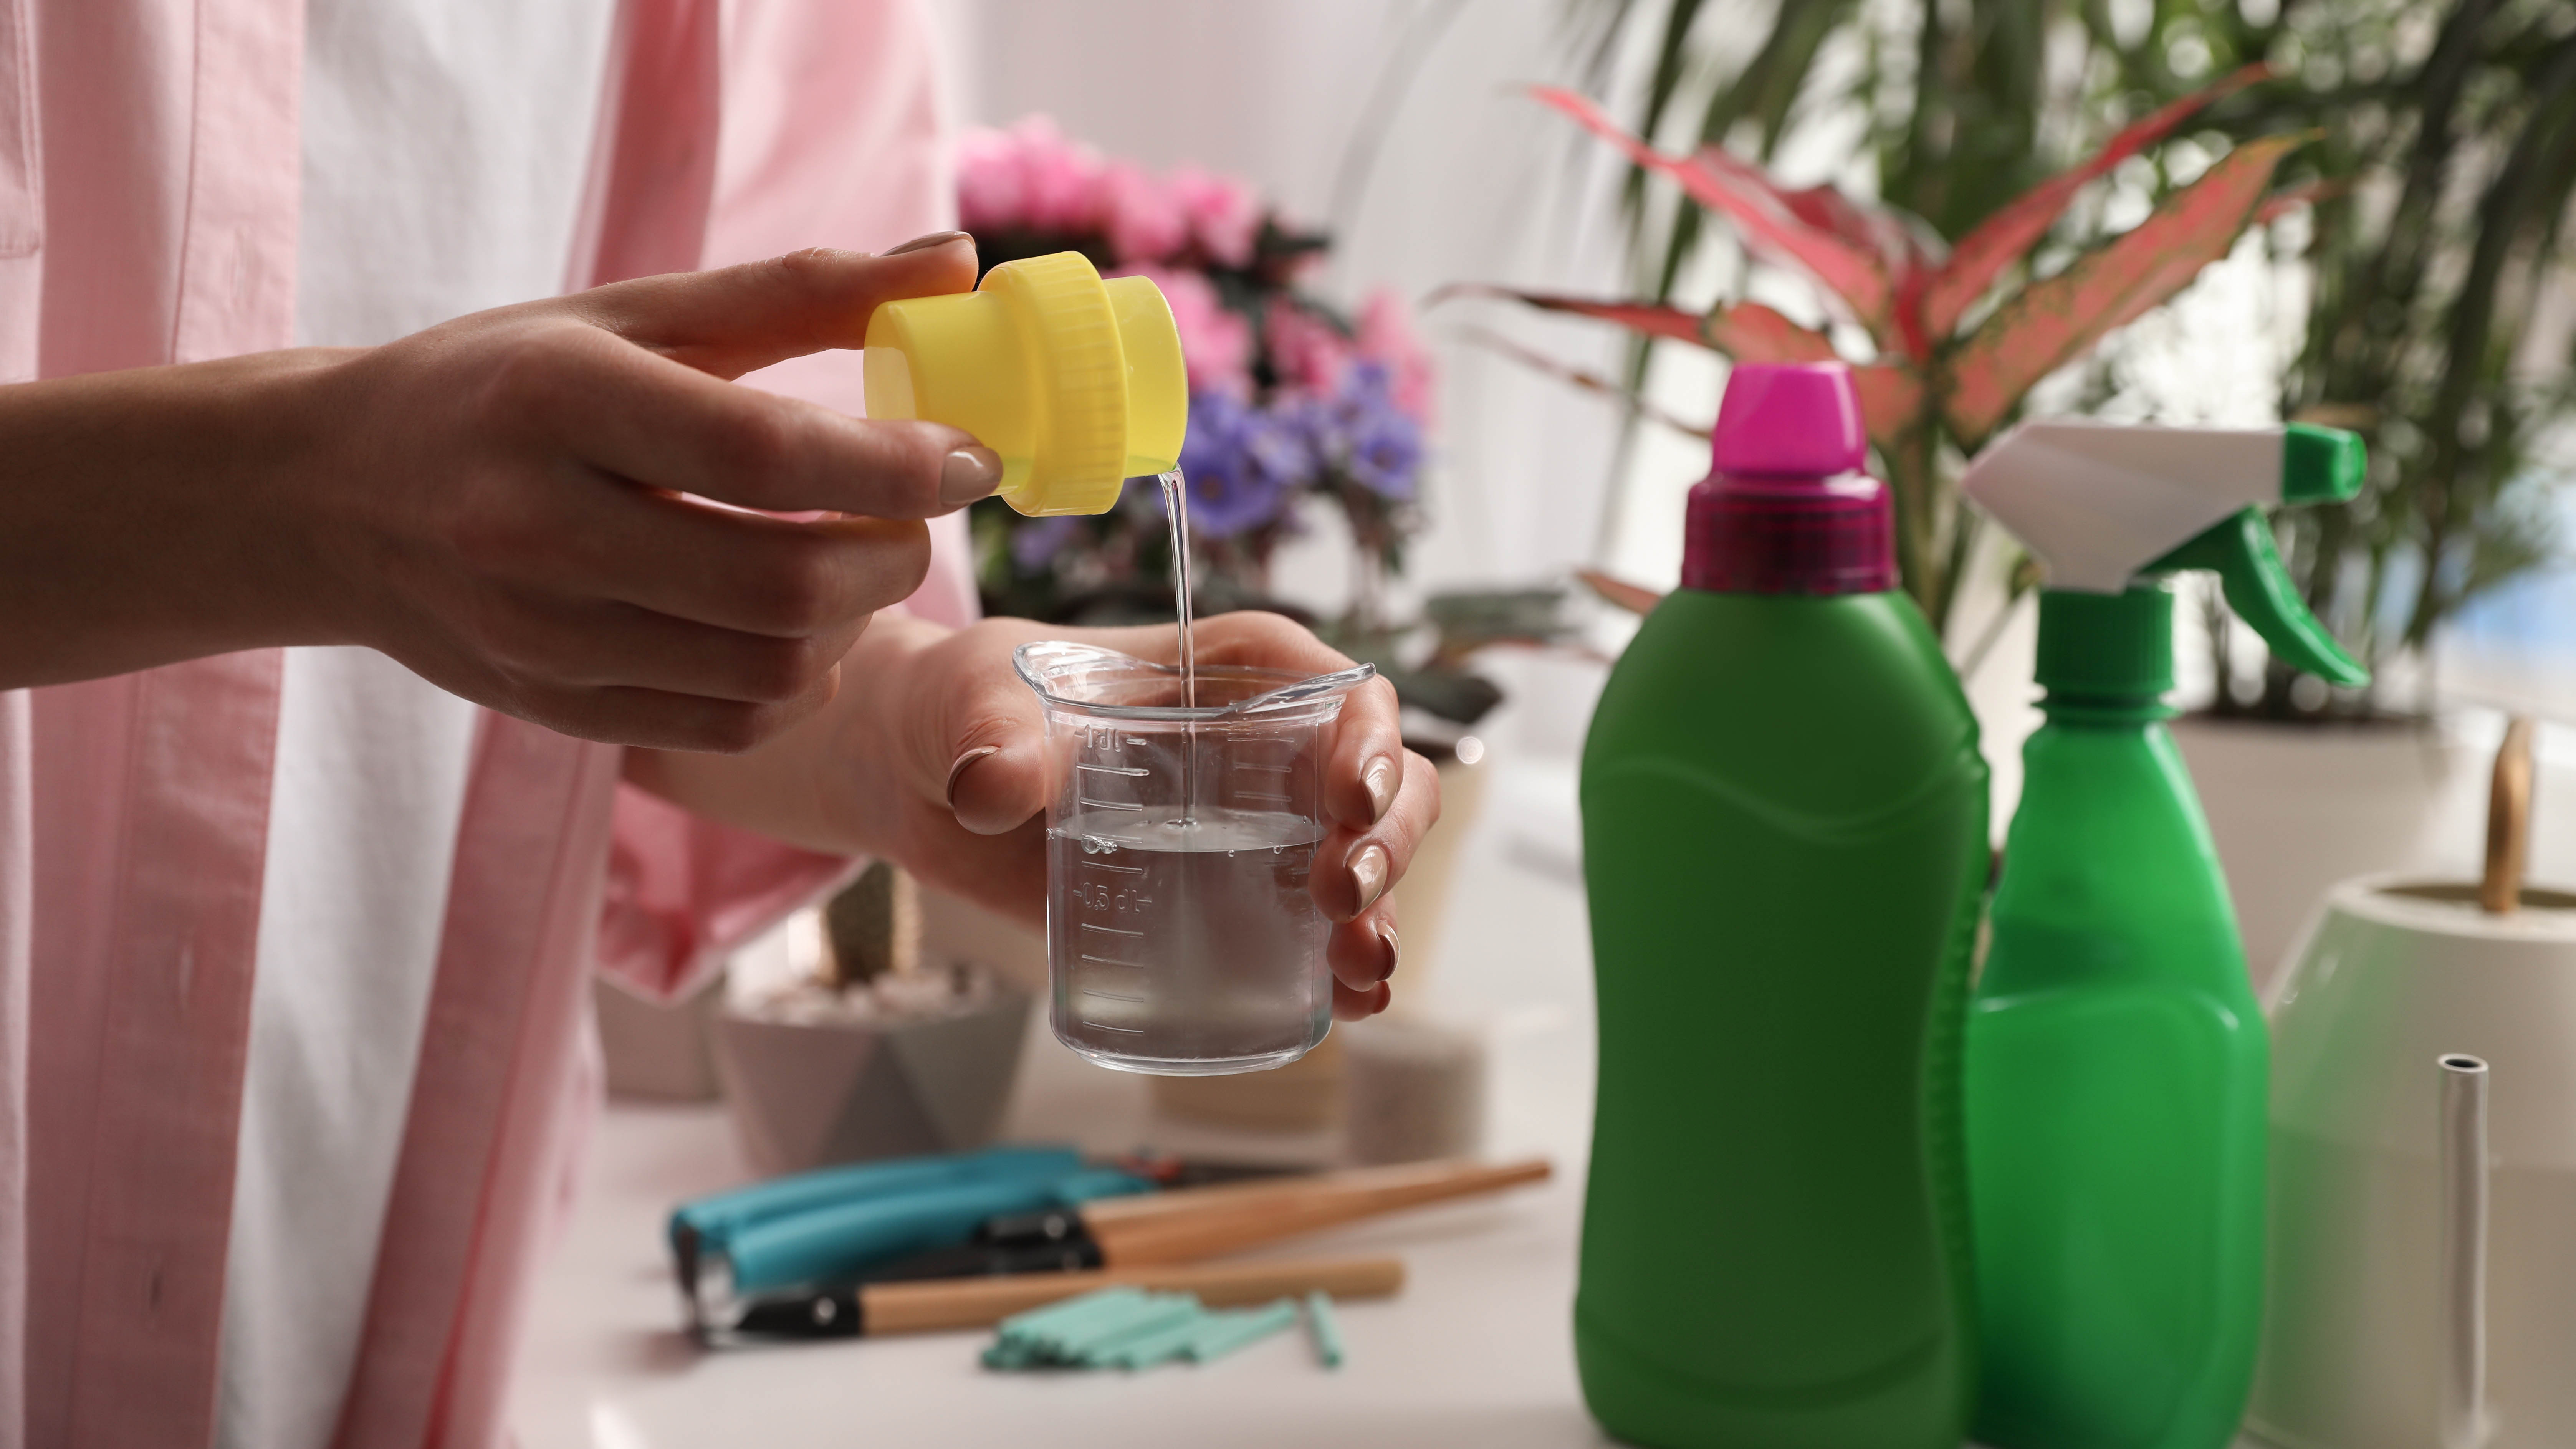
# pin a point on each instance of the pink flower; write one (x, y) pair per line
(1309, 352)
(1216, 342)
(1029, 178)
(1145, 221)
(1061, 179)
(1387, 336)
(990, 194)
(1223, 214)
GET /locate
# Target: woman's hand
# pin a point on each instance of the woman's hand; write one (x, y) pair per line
(935, 757)
(497, 502)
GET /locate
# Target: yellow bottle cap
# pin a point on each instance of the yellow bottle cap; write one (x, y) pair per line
(1077, 382)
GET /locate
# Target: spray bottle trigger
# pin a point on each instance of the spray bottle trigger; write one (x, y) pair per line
(2240, 550)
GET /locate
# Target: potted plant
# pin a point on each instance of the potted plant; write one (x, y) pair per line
(871, 1051)
(2456, 112)
(2444, 159)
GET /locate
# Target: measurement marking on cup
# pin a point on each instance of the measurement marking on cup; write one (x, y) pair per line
(1112, 930)
(1122, 1030)
(1104, 865)
(1110, 995)
(1259, 795)
(1131, 771)
(1107, 804)
(1110, 961)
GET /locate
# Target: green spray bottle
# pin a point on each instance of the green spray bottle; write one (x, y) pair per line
(2116, 1061)
(1784, 839)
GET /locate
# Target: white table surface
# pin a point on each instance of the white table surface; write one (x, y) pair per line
(1476, 1351)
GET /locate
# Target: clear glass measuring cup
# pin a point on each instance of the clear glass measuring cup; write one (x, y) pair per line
(1181, 937)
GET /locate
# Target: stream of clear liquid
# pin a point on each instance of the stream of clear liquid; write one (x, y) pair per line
(1176, 506)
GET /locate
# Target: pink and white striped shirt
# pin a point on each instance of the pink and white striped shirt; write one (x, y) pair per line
(149, 164)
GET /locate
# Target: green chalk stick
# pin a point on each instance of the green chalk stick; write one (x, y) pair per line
(1070, 1310)
(1102, 1340)
(1147, 1350)
(1009, 1356)
(1324, 1328)
(1107, 1322)
(1243, 1330)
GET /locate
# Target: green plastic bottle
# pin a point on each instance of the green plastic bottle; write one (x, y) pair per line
(2117, 1062)
(1784, 825)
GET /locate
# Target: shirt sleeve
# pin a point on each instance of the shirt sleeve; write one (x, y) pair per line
(833, 134)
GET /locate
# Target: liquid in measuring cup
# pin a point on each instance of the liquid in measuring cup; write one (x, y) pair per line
(1187, 948)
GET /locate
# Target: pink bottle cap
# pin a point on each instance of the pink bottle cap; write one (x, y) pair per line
(1787, 509)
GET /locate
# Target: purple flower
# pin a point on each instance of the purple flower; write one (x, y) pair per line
(1383, 442)
(1036, 541)
(1240, 465)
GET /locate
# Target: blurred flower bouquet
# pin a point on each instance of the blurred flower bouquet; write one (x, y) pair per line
(1291, 400)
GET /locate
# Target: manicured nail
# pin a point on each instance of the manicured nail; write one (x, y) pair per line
(1386, 934)
(1379, 777)
(1368, 874)
(971, 472)
(924, 243)
(959, 769)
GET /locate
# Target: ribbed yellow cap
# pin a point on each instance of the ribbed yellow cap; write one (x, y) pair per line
(1077, 382)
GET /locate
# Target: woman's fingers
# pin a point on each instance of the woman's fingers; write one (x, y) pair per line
(1365, 770)
(591, 643)
(1354, 869)
(735, 319)
(1365, 951)
(643, 416)
(1351, 1004)
(659, 719)
(738, 571)
(977, 744)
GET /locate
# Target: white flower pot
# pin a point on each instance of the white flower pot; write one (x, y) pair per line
(2355, 1334)
(2293, 809)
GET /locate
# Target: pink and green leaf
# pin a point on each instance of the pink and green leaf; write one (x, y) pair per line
(1891, 393)
(1584, 380)
(1611, 589)
(1747, 331)
(1751, 332)
(2003, 238)
(1653, 319)
(1891, 400)
(1827, 236)
(2052, 322)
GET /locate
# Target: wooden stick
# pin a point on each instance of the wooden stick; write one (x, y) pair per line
(1259, 1190)
(946, 1303)
(2508, 821)
(1247, 1219)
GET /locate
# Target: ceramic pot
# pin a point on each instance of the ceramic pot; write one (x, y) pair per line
(807, 1094)
(2394, 976)
(654, 1050)
(2295, 809)
(1422, 901)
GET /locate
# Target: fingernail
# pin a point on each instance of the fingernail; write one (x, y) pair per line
(924, 243)
(1368, 874)
(959, 769)
(1379, 777)
(1386, 933)
(971, 472)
